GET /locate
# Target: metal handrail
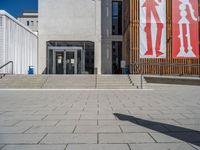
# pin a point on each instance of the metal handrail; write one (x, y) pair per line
(140, 69)
(10, 62)
(167, 64)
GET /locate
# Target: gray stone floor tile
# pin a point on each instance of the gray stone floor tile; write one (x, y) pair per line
(197, 146)
(8, 123)
(58, 112)
(147, 128)
(70, 139)
(97, 147)
(188, 121)
(176, 137)
(57, 129)
(62, 117)
(77, 122)
(13, 129)
(37, 123)
(97, 129)
(21, 117)
(49, 112)
(98, 117)
(125, 138)
(161, 146)
(167, 116)
(114, 122)
(20, 138)
(34, 147)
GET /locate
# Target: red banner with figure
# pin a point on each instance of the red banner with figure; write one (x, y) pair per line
(153, 28)
(185, 29)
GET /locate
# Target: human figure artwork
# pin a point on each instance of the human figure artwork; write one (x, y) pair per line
(185, 29)
(152, 28)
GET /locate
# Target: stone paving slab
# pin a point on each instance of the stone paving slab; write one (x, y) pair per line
(77, 122)
(36, 123)
(188, 121)
(97, 147)
(47, 115)
(114, 122)
(20, 138)
(83, 112)
(34, 147)
(176, 137)
(62, 117)
(13, 129)
(136, 128)
(22, 117)
(197, 147)
(70, 139)
(167, 116)
(162, 146)
(98, 117)
(57, 129)
(125, 138)
(97, 129)
(58, 112)
(8, 123)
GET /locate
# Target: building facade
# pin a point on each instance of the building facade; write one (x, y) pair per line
(132, 40)
(17, 44)
(30, 20)
(82, 37)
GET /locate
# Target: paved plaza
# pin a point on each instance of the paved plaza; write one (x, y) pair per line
(165, 118)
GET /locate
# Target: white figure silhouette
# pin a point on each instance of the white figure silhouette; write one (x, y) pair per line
(184, 21)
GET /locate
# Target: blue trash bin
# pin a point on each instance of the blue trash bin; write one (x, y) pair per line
(31, 70)
(126, 70)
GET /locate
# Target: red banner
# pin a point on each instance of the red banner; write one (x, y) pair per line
(185, 29)
(152, 28)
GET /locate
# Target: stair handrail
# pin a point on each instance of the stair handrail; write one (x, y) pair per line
(10, 62)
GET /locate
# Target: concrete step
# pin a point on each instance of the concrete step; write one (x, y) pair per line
(66, 81)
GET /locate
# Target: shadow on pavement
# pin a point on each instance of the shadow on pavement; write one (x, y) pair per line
(180, 133)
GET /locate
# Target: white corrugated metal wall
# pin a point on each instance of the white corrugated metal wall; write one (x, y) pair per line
(2, 45)
(18, 44)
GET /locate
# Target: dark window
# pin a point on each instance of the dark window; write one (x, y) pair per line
(116, 57)
(1, 20)
(117, 18)
(32, 23)
(28, 23)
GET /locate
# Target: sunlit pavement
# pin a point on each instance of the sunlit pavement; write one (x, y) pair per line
(159, 119)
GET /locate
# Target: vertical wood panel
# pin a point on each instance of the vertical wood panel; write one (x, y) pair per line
(131, 41)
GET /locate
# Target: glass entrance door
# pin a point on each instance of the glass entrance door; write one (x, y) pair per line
(65, 62)
(71, 62)
(59, 62)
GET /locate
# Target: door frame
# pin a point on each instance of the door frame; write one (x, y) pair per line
(65, 50)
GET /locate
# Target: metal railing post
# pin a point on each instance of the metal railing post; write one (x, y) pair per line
(141, 76)
(12, 67)
(10, 62)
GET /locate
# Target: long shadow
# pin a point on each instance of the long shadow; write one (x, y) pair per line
(180, 133)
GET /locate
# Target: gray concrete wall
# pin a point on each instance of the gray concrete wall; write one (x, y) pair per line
(33, 27)
(67, 20)
(107, 36)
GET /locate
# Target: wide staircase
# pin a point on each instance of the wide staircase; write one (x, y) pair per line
(114, 81)
(66, 82)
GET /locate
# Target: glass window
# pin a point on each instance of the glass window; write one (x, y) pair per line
(1, 20)
(117, 18)
(116, 57)
(32, 23)
(28, 23)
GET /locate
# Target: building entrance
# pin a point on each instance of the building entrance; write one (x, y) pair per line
(66, 60)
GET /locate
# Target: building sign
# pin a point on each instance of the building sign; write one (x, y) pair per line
(153, 28)
(185, 29)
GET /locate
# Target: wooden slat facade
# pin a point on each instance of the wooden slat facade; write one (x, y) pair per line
(131, 44)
